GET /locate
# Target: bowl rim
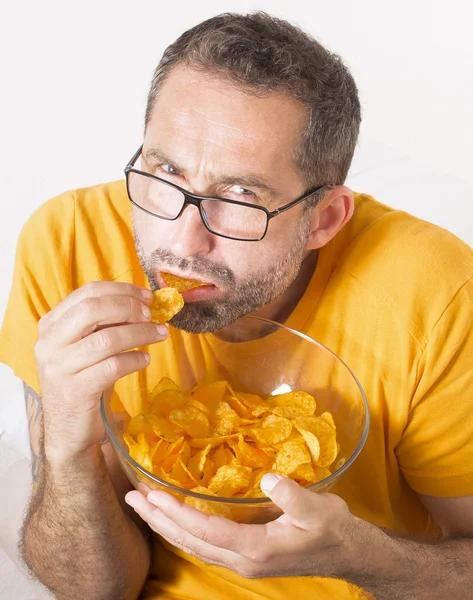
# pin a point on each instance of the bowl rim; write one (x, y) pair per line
(251, 501)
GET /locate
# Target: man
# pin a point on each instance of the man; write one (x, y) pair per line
(249, 110)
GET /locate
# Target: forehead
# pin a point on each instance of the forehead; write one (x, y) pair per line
(196, 114)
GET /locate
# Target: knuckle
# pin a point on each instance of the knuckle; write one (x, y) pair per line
(258, 556)
(112, 367)
(42, 325)
(49, 372)
(200, 533)
(103, 340)
(132, 306)
(39, 350)
(89, 305)
(89, 289)
(249, 571)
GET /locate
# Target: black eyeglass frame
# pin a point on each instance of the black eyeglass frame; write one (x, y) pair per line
(196, 200)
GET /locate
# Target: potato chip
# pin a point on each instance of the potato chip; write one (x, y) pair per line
(173, 452)
(230, 479)
(292, 404)
(248, 455)
(231, 458)
(141, 457)
(273, 430)
(163, 384)
(143, 442)
(257, 405)
(254, 492)
(181, 284)
(139, 424)
(291, 455)
(182, 474)
(165, 401)
(327, 416)
(238, 406)
(213, 441)
(210, 394)
(305, 473)
(312, 443)
(158, 451)
(225, 419)
(192, 420)
(198, 404)
(321, 473)
(164, 428)
(129, 441)
(324, 433)
(219, 457)
(339, 464)
(200, 466)
(167, 302)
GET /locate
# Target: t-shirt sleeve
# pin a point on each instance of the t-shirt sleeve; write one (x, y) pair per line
(41, 279)
(436, 449)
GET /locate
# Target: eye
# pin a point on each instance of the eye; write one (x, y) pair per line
(169, 169)
(238, 189)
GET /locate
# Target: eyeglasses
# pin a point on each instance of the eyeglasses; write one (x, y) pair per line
(229, 219)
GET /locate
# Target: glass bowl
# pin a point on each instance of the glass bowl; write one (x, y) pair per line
(262, 357)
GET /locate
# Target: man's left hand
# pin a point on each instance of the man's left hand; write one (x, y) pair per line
(312, 537)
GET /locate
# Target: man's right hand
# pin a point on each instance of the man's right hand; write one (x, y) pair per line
(84, 346)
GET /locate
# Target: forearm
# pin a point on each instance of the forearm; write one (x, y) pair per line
(76, 537)
(393, 568)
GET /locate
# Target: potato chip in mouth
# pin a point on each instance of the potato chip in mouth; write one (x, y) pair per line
(181, 284)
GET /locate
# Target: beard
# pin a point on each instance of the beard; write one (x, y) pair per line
(239, 297)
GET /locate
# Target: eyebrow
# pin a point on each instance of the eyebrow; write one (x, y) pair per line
(247, 179)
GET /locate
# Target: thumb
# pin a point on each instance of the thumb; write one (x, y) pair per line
(300, 504)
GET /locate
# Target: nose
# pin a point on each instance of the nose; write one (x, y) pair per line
(189, 235)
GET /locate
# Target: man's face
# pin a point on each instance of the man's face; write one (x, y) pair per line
(211, 139)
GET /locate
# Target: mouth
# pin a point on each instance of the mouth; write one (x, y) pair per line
(188, 277)
(201, 291)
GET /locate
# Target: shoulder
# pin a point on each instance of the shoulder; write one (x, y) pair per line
(413, 267)
(86, 231)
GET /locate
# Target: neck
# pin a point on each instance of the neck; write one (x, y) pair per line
(282, 307)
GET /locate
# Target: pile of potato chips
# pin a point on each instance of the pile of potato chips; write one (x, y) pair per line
(219, 442)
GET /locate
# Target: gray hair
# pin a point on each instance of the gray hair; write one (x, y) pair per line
(259, 54)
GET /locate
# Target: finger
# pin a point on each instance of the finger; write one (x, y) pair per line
(238, 538)
(94, 289)
(303, 506)
(83, 318)
(176, 536)
(106, 373)
(109, 342)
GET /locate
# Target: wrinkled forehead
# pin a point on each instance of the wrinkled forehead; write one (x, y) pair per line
(199, 114)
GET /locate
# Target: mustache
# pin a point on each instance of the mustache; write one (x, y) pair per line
(196, 264)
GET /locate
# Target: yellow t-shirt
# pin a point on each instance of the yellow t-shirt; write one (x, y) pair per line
(392, 296)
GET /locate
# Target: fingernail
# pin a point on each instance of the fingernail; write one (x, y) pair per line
(146, 312)
(129, 500)
(147, 293)
(162, 329)
(268, 481)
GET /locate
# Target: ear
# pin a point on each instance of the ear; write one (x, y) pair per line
(333, 212)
